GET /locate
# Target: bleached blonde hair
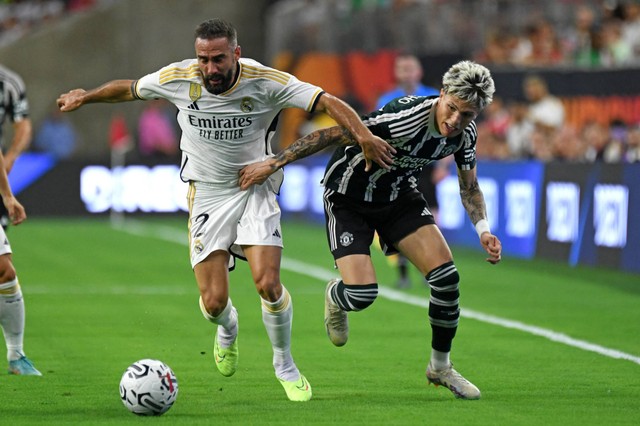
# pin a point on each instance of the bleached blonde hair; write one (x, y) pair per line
(470, 82)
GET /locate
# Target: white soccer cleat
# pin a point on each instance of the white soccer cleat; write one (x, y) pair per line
(335, 319)
(452, 380)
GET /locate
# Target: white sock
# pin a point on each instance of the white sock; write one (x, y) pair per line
(227, 323)
(12, 318)
(277, 318)
(440, 360)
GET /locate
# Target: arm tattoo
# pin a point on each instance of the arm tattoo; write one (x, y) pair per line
(314, 142)
(473, 201)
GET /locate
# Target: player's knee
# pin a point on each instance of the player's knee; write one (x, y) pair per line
(212, 305)
(355, 297)
(269, 287)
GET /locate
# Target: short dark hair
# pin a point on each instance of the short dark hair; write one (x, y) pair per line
(217, 28)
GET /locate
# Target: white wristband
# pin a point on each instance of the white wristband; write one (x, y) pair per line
(482, 226)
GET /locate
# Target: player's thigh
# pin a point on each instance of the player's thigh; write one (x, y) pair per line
(212, 276)
(426, 248)
(213, 219)
(356, 269)
(259, 224)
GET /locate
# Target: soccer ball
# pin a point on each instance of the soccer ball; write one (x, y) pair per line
(148, 387)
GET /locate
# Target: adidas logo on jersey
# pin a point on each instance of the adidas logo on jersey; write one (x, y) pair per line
(276, 233)
(425, 212)
(194, 105)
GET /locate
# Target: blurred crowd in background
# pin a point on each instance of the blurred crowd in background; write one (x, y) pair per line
(18, 17)
(542, 33)
(537, 129)
(502, 34)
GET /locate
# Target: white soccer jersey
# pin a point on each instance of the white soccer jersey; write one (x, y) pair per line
(223, 133)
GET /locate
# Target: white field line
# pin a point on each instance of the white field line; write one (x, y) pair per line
(323, 274)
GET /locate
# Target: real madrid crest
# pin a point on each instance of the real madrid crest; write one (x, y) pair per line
(195, 91)
(246, 105)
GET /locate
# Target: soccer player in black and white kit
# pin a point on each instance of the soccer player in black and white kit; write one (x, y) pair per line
(227, 110)
(14, 107)
(359, 202)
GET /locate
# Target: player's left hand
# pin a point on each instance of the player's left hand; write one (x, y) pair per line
(256, 173)
(492, 246)
(16, 211)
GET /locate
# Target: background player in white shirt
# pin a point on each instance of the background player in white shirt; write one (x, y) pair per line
(14, 107)
(225, 127)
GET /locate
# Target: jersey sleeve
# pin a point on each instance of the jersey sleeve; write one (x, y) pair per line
(18, 105)
(296, 93)
(400, 118)
(149, 87)
(465, 157)
(164, 82)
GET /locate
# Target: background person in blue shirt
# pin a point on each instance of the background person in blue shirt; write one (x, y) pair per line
(408, 74)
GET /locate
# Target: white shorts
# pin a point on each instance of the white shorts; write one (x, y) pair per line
(226, 218)
(5, 247)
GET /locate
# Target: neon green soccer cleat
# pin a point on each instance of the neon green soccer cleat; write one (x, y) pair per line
(298, 390)
(226, 358)
(335, 319)
(452, 380)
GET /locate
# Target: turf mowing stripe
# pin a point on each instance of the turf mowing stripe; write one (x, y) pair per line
(303, 268)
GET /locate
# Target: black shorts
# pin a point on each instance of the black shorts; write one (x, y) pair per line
(351, 224)
(426, 185)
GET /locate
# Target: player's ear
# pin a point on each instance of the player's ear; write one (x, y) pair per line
(237, 52)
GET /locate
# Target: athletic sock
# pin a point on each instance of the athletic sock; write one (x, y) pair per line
(277, 318)
(440, 360)
(444, 310)
(351, 297)
(227, 322)
(12, 318)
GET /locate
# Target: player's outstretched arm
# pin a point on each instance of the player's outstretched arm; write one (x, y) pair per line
(257, 173)
(375, 149)
(113, 91)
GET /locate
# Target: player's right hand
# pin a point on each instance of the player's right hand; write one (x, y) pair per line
(377, 150)
(71, 100)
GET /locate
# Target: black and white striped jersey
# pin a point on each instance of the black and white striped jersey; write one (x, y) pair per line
(13, 97)
(408, 124)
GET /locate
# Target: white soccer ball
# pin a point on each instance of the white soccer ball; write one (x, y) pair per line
(148, 387)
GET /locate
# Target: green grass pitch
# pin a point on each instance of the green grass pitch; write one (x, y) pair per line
(545, 343)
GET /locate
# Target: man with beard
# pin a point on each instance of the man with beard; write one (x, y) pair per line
(225, 127)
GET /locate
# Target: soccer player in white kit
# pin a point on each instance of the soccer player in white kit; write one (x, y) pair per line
(14, 108)
(228, 107)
